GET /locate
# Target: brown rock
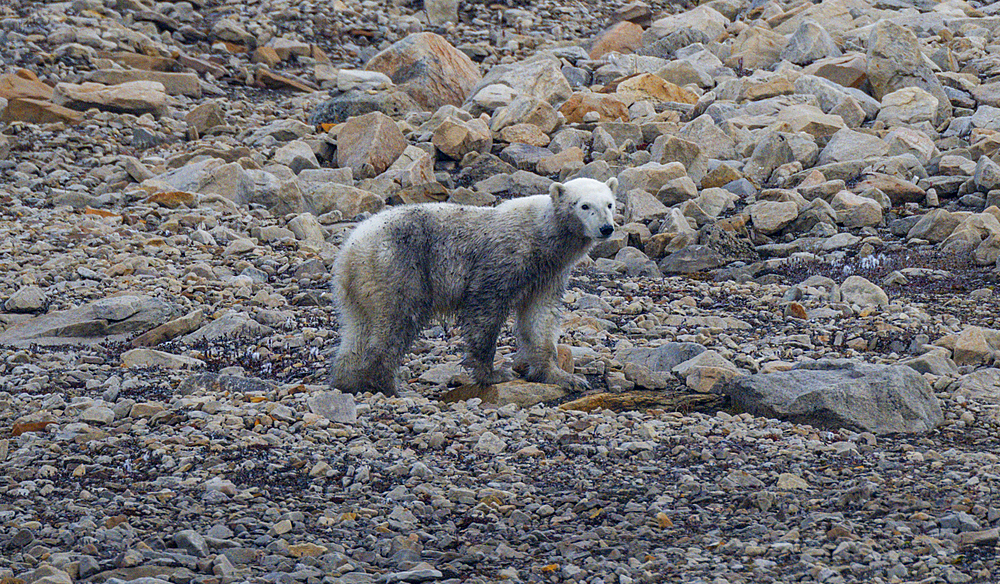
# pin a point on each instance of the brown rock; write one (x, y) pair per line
(645, 86)
(609, 107)
(372, 139)
(140, 61)
(429, 69)
(266, 55)
(849, 71)
(269, 78)
(720, 177)
(643, 400)
(23, 84)
(796, 310)
(37, 111)
(173, 83)
(753, 90)
(899, 191)
(522, 393)
(205, 116)
(172, 199)
(455, 138)
(624, 37)
(555, 163)
(756, 48)
(525, 134)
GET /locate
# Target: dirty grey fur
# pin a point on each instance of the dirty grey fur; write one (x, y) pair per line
(407, 265)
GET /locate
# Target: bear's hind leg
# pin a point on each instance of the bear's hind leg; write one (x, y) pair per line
(372, 346)
(480, 326)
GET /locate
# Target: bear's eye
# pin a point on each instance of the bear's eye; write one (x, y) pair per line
(585, 207)
(609, 205)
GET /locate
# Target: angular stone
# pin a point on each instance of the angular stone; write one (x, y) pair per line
(810, 42)
(702, 19)
(842, 394)
(440, 12)
(93, 322)
(908, 105)
(847, 144)
(642, 207)
(136, 97)
(206, 116)
(540, 76)
(756, 48)
(143, 357)
(369, 144)
(296, 155)
(895, 61)
(935, 226)
(173, 83)
(429, 69)
(23, 84)
(334, 406)
(971, 347)
(27, 299)
(858, 290)
(668, 149)
(393, 102)
(691, 259)
(646, 86)
(170, 330)
(36, 111)
(525, 109)
(608, 107)
(772, 216)
(855, 211)
(350, 201)
(622, 37)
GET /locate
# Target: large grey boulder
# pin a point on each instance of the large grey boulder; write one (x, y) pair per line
(662, 358)
(94, 322)
(840, 393)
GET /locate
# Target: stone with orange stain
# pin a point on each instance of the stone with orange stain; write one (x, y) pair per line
(608, 107)
(23, 84)
(623, 37)
(429, 69)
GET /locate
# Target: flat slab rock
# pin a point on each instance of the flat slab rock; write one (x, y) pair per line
(840, 393)
(93, 322)
(523, 393)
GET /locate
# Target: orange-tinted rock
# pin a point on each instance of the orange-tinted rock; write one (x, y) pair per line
(579, 104)
(172, 199)
(266, 55)
(23, 84)
(369, 144)
(269, 78)
(37, 111)
(648, 86)
(429, 69)
(623, 37)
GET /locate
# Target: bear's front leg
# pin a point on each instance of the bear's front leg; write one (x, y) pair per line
(537, 332)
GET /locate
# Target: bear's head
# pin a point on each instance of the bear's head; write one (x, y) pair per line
(589, 202)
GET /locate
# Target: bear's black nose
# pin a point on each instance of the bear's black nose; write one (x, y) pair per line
(607, 230)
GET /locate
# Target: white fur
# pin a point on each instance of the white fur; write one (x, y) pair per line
(406, 264)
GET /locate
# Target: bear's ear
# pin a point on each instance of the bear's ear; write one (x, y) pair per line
(557, 191)
(612, 184)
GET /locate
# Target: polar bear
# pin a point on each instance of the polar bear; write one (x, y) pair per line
(406, 265)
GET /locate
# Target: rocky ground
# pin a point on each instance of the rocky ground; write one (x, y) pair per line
(791, 339)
